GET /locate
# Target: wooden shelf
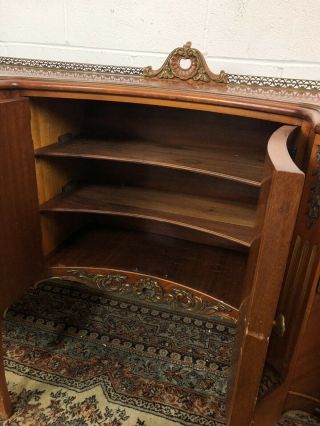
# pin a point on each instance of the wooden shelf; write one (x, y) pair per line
(231, 220)
(214, 271)
(236, 162)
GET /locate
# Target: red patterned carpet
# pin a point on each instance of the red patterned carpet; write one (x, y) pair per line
(76, 358)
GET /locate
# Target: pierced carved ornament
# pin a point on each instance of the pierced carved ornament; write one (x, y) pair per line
(197, 70)
(149, 290)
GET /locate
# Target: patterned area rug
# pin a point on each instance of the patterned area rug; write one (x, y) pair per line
(299, 418)
(75, 357)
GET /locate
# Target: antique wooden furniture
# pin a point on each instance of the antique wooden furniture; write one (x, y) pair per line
(179, 186)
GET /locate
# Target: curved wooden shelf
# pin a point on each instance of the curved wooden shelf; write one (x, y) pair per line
(213, 271)
(235, 162)
(231, 220)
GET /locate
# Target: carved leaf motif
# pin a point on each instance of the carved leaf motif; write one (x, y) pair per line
(149, 290)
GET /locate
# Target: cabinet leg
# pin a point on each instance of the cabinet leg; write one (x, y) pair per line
(5, 403)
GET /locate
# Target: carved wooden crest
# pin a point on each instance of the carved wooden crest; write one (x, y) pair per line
(198, 69)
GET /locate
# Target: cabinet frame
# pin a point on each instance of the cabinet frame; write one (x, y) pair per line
(270, 110)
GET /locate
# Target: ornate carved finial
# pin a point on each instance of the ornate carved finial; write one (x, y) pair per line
(198, 69)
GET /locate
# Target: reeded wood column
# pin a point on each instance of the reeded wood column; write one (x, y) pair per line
(5, 404)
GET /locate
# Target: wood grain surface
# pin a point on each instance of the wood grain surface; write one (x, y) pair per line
(215, 271)
(228, 162)
(228, 219)
(20, 242)
(278, 207)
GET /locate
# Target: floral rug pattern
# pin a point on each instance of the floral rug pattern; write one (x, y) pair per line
(299, 418)
(172, 366)
(60, 407)
(75, 357)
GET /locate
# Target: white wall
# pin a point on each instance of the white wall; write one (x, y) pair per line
(261, 37)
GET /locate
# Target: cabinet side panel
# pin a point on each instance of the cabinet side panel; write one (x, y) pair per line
(276, 217)
(302, 273)
(20, 247)
(51, 119)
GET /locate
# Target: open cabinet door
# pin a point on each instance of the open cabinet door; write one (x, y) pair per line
(20, 242)
(278, 204)
(301, 287)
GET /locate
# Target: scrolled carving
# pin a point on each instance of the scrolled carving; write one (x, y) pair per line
(150, 290)
(111, 282)
(198, 69)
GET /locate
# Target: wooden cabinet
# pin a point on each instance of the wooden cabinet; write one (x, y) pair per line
(184, 190)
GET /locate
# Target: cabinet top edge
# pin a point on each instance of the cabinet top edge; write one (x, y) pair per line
(36, 75)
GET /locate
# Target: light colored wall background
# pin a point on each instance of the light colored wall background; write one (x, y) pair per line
(261, 37)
